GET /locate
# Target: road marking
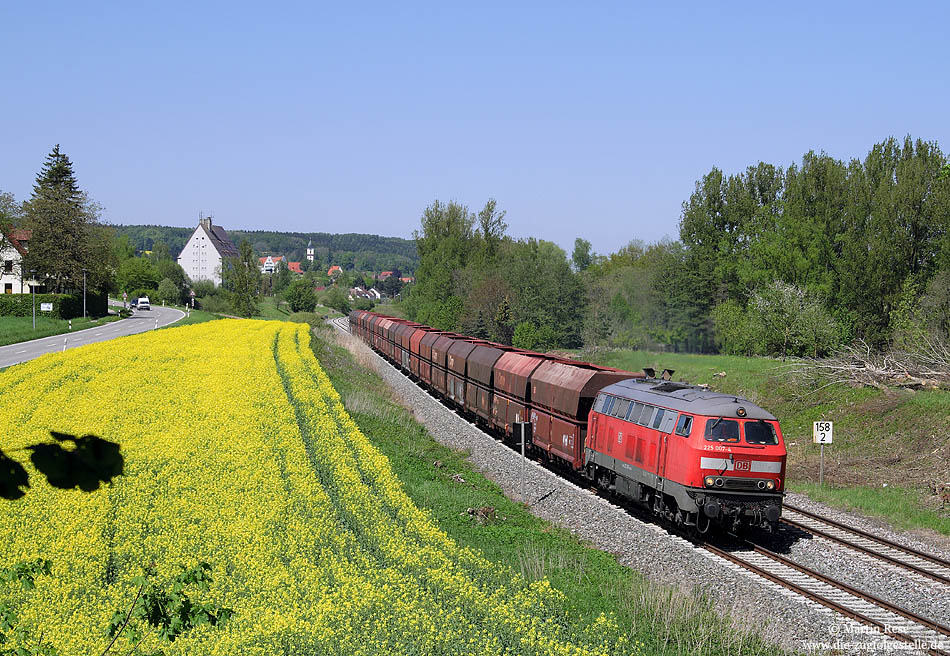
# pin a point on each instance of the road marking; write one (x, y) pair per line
(23, 351)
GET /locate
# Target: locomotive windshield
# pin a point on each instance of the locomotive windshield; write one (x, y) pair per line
(722, 430)
(759, 432)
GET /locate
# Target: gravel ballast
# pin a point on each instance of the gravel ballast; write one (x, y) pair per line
(779, 615)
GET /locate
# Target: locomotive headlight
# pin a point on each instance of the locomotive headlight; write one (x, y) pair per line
(740, 411)
(770, 485)
(710, 481)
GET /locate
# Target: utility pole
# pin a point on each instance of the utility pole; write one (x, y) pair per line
(84, 292)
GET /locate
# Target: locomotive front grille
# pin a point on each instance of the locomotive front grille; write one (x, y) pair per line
(741, 483)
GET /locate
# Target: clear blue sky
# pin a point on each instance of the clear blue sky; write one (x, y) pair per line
(581, 119)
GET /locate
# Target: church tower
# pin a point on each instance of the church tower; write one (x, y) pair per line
(310, 251)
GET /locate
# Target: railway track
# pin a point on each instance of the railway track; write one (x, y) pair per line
(887, 623)
(921, 563)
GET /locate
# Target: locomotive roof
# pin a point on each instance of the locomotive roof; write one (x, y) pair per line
(686, 398)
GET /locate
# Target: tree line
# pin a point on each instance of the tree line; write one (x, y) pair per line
(474, 278)
(772, 260)
(351, 251)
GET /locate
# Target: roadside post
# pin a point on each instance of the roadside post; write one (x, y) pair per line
(33, 294)
(822, 432)
(524, 427)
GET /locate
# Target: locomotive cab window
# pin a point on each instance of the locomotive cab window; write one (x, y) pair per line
(722, 430)
(759, 432)
(684, 425)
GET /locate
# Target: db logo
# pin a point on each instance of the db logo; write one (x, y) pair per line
(743, 465)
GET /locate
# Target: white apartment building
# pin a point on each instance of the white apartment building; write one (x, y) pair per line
(203, 256)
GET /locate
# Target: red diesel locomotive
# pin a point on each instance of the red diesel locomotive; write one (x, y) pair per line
(694, 456)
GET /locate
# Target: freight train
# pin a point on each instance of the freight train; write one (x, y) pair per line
(698, 458)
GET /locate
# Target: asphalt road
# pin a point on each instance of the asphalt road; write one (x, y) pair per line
(139, 322)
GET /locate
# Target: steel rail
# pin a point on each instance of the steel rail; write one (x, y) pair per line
(936, 576)
(936, 560)
(830, 603)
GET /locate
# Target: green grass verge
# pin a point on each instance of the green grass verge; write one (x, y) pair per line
(901, 506)
(663, 620)
(193, 316)
(20, 329)
(270, 307)
(893, 437)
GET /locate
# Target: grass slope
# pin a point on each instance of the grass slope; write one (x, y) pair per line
(664, 621)
(890, 451)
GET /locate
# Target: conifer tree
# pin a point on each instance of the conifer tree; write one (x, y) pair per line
(62, 220)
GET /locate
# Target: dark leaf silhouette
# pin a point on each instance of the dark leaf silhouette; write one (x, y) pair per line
(93, 461)
(12, 477)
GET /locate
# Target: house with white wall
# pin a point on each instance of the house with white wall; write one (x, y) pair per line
(203, 256)
(13, 246)
(270, 263)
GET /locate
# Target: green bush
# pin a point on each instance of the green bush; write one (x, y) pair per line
(217, 303)
(530, 337)
(311, 318)
(168, 292)
(780, 319)
(300, 296)
(65, 306)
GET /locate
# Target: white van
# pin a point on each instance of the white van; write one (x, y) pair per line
(143, 303)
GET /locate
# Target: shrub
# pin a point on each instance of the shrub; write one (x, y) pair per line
(168, 292)
(301, 297)
(218, 303)
(65, 306)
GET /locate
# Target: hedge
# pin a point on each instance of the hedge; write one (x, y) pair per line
(65, 306)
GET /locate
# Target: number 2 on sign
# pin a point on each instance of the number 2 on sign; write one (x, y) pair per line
(823, 431)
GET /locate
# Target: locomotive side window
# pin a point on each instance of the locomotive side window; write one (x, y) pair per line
(646, 416)
(658, 418)
(759, 432)
(634, 412)
(684, 425)
(599, 403)
(621, 408)
(722, 430)
(609, 404)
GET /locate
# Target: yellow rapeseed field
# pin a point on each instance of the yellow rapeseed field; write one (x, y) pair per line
(239, 452)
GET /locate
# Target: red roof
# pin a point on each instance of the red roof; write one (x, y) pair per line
(406, 280)
(18, 237)
(385, 274)
(273, 258)
(295, 267)
(336, 268)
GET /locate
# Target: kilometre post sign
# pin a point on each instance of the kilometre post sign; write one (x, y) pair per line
(822, 432)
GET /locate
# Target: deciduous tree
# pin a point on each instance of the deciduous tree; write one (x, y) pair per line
(242, 279)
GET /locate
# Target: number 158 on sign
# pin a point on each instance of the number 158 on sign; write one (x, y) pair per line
(822, 432)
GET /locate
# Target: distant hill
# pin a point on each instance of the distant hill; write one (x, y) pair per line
(351, 250)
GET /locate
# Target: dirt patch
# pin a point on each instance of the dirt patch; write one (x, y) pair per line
(881, 404)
